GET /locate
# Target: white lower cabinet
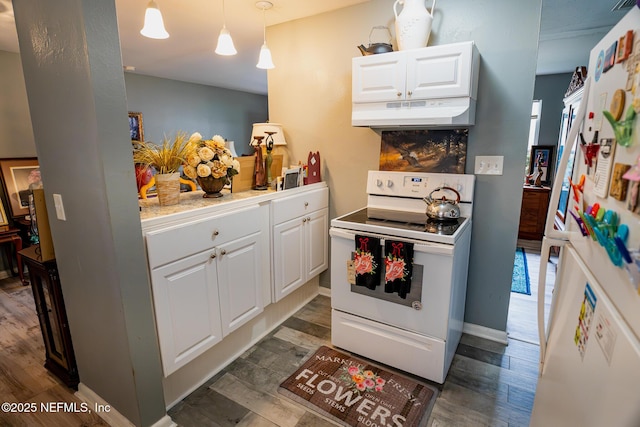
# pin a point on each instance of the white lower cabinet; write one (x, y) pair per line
(240, 278)
(212, 271)
(186, 300)
(300, 240)
(201, 298)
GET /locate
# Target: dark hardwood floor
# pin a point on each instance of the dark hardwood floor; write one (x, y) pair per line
(489, 384)
(23, 378)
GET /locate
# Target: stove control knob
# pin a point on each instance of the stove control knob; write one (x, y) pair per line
(389, 183)
(379, 182)
(417, 305)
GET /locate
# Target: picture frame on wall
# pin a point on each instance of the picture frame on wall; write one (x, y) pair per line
(4, 220)
(542, 158)
(136, 130)
(17, 176)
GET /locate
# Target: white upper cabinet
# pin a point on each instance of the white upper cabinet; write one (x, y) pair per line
(432, 72)
(427, 87)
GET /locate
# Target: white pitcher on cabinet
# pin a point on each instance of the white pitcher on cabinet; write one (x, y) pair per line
(413, 24)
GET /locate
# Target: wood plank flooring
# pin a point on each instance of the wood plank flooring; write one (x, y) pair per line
(522, 320)
(489, 384)
(23, 378)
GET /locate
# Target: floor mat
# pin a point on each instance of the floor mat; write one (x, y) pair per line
(356, 393)
(520, 281)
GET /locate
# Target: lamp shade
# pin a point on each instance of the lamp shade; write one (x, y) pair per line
(153, 23)
(225, 43)
(264, 60)
(261, 129)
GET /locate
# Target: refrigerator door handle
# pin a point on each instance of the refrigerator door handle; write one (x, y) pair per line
(549, 229)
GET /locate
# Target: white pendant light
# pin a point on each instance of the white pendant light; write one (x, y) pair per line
(153, 23)
(225, 45)
(264, 61)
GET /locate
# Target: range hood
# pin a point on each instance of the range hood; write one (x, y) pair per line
(434, 86)
(445, 112)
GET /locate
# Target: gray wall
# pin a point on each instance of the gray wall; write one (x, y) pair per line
(168, 106)
(550, 89)
(77, 101)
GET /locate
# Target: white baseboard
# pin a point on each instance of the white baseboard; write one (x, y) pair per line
(112, 416)
(326, 292)
(484, 332)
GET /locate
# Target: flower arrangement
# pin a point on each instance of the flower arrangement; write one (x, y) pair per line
(209, 157)
(165, 158)
(363, 380)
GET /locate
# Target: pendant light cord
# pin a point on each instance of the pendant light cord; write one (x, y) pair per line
(264, 26)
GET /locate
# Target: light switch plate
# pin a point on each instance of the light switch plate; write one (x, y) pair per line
(57, 201)
(489, 165)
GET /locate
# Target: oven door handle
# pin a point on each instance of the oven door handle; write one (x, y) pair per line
(418, 246)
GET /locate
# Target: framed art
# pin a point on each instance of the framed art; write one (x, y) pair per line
(433, 150)
(3, 216)
(542, 161)
(17, 176)
(291, 178)
(135, 127)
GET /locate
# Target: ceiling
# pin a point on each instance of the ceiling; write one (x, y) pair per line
(569, 28)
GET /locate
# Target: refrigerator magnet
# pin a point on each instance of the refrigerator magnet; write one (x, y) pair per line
(625, 45)
(619, 185)
(610, 57)
(599, 65)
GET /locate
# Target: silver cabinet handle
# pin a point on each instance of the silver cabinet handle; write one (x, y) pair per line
(306, 204)
(304, 220)
(223, 252)
(215, 233)
(399, 94)
(308, 219)
(212, 256)
(409, 93)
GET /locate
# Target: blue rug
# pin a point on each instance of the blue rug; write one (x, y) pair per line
(520, 281)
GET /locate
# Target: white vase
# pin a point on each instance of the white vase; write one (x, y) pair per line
(413, 24)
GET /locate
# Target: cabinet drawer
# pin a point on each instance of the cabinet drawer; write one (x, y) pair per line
(292, 207)
(173, 243)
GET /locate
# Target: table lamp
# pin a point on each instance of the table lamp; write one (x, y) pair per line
(274, 135)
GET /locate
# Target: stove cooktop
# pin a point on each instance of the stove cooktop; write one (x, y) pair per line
(434, 230)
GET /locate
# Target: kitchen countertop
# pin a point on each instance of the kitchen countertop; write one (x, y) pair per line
(193, 206)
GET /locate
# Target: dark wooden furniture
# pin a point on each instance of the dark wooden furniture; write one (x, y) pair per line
(533, 213)
(10, 238)
(47, 293)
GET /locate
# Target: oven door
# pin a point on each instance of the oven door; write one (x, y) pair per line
(426, 310)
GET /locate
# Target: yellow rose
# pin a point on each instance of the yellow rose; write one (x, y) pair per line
(206, 153)
(193, 159)
(203, 170)
(190, 171)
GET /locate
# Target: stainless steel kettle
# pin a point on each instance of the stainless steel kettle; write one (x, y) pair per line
(376, 48)
(443, 208)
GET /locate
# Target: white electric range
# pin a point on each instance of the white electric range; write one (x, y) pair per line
(419, 332)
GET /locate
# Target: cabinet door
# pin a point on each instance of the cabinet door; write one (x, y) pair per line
(317, 241)
(288, 256)
(379, 78)
(240, 281)
(440, 71)
(185, 295)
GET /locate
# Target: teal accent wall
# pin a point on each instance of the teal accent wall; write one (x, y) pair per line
(550, 89)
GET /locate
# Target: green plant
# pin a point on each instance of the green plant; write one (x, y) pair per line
(165, 158)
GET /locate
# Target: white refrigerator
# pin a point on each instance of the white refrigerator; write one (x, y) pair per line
(590, 348)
